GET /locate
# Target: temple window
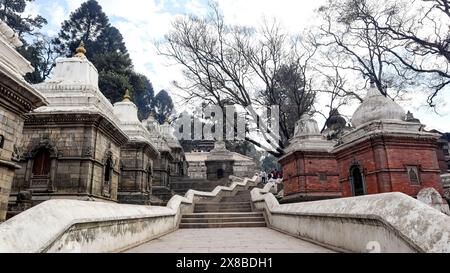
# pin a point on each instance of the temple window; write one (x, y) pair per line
(413, 174)
(42, 164)
(108, 171)
(2, 141)
(323, 177)
(107, 177)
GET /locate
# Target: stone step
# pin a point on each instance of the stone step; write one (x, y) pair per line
(221, 220)
(214, 208)
(224, 205)
(223, 215)
(239, 201)
(223, 210)
(236, 199)
(225, 225)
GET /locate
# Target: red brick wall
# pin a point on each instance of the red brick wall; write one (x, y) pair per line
(385, 161)
(301, 174)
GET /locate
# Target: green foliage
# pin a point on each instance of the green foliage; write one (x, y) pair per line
(144, 94)
(38, 51)
(163, 106)
(270, 163)
(107, 51)
(11, 13)
(113, 85)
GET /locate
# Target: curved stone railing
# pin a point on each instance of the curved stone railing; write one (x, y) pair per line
(384, 223)
(64, 226)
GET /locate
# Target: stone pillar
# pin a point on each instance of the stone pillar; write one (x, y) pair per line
(16, 99)
(11, 126)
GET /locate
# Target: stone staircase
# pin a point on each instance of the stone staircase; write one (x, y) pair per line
(161, 196)
(230, 212)
(182, 186)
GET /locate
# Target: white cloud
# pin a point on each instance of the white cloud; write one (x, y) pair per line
(294, 15)
(142, 22)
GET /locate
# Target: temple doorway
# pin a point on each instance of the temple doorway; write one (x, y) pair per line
(220, 174)
(357, 181)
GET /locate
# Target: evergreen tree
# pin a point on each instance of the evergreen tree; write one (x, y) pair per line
(144, 94)
(270, 163)
(40, 52)
(105, 49)
(163, 106)
(11, 12)
(36, 47)
(91, 25)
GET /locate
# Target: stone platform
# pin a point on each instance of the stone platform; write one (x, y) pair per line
(231, 240)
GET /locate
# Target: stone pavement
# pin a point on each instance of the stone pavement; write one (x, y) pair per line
(228, 240)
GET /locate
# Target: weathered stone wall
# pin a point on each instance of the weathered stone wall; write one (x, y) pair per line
(446, 184)
(176, 168)
(197, 170)
(136, 174)
(11, 125)
(161, 171)
(244, 168)
(79, 153)
(68, 226)
(217, 168)
(442, 154)
(383, 223)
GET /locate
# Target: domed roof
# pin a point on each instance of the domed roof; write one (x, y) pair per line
(306, 126)
(126, 110)
(377, 107)
(127, 113)
(336, 121)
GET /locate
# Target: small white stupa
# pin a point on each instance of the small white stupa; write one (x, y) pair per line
(74, 88)
(156, 135)
(168, 133)
(380, 115)
(127, 113)
(307, 137)
(377, 107)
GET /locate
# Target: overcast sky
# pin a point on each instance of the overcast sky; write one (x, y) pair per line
(142, 22)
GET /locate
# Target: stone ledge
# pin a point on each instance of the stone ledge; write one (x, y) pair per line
(79, 226)
(396, 221)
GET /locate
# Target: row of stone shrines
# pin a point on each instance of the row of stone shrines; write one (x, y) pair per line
(64, 139)
(384, 150)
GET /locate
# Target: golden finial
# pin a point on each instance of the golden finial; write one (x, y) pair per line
(81, 51)
(127, 97)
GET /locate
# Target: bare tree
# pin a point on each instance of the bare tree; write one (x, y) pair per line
(416, 34)
(421, 29)
(346, 33)
(226, 64)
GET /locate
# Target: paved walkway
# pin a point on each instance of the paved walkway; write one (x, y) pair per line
(229, 240)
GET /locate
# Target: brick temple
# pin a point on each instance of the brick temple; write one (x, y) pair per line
(385, 150)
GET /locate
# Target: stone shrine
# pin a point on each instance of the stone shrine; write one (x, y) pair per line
(137, 156)
(177, 166)
(161, 167)
(71, 148)
(386, 153)
(17, 98)
(219, 163)
(386, 150)
(242, 166)
(309, 168)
